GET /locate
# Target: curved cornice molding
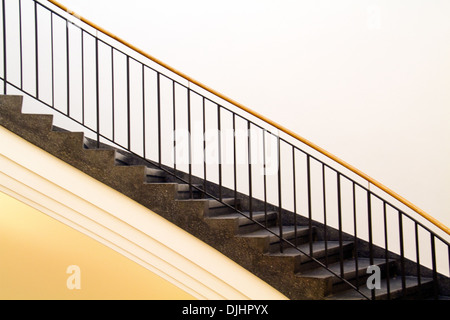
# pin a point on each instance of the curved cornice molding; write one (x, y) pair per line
(33, 176)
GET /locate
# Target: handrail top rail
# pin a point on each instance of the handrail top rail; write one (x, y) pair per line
(346, 165)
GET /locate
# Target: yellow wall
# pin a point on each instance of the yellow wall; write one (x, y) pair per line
(35, 251)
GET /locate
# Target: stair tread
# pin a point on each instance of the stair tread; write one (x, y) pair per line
(213, 203)
(154, 172)
(317, 246)
(349, 267)
(148, 171)
(274, 232)
(121, 157)
(244, 217)
(39, 115)
(185, 187)
(395, 287)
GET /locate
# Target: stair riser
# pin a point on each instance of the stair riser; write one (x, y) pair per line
(412, 293)
(269, 245)
(220, 210)
(71, 140)
(119, 162)
(40, 122)
(300, 239)
(155, 179)
(227, 227)
(332, 257)
(195, 207)
(103, 158)
(11, 104)
(187, 194)
(133, 174)
(425, 291)
(255, 227)
(362, 278)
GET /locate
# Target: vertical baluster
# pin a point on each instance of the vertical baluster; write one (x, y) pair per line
(434, 266)
(341, 252)
(250, 188)
(308, 178)
(113, 107)
(402, 251)
(82, 78)
(158, 95)
(68, 67)
(36, 47)
(4, 48)
(143, 113)
(174, 124)
(264, 177)
(369, 217)
(324, 214)
(280, 217)
(53, 61)
(204, 144)
(219, 151)
(355, 235)
(419, 277)
(234, 159)
(189, 142)
(20, 41)
(97, 89)
(128, 105)
(386, 252)
(294, 195)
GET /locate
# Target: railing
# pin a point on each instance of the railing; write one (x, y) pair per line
(120, 95)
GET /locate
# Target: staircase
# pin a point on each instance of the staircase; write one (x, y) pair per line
(256, 248)
(311, 228)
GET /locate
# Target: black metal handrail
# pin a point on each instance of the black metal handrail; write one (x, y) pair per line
(117, 95)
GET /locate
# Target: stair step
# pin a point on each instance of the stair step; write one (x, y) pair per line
(11, 103)
(184, 191)
(243, 223)
(216, 207)
(395, 289)
(325, 252)
(273, 233)
(67, 138)
(349, 269)
(154, 175)
(85, 139)
(244, 217)
(356, 275)
(42, 122)
(154, 172)
(318, 249)
(121, 159)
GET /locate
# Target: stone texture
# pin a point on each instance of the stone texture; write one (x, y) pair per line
(206, 219)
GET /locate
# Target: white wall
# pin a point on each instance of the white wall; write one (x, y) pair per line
(366, 80)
